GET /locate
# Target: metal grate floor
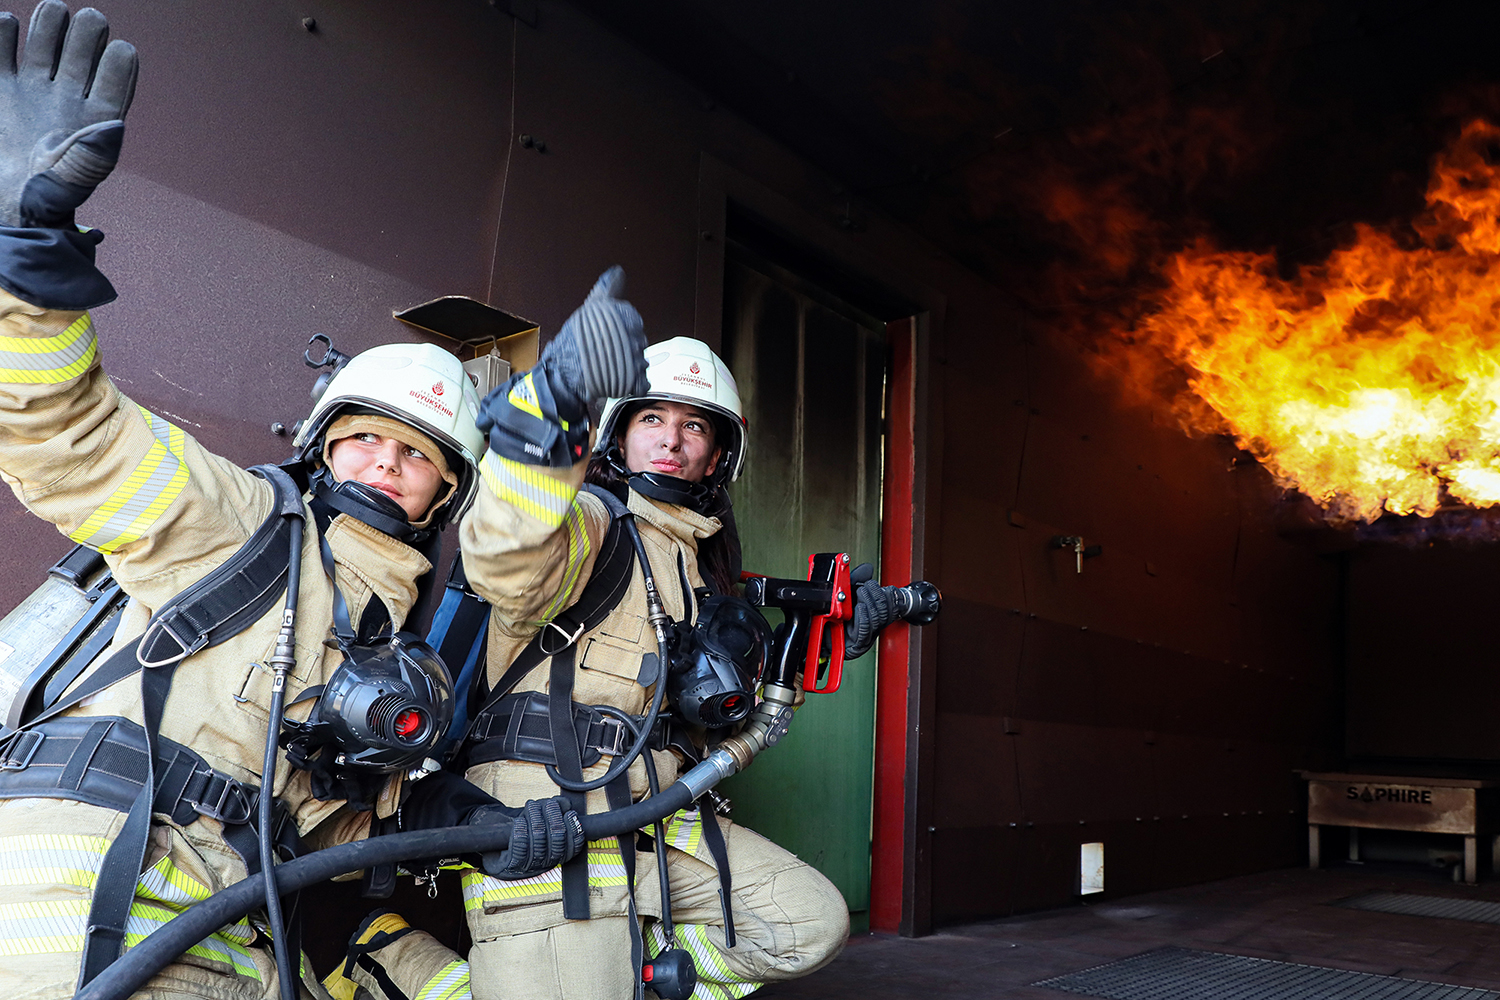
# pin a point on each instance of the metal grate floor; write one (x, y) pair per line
(1186, 974)
(1477, 910)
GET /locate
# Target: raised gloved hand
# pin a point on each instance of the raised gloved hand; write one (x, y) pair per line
(61, 119)
(541, 417)
(61, 111)
(546, 833)
(600, 351)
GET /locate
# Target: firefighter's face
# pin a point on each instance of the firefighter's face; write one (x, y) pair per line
(393, 467)
(671, 438)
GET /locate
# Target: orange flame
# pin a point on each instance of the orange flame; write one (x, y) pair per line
(1370, 382)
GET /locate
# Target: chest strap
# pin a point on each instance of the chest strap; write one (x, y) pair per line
(519, 727)
(102, 761)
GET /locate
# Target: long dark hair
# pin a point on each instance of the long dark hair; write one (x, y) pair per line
(718, 554)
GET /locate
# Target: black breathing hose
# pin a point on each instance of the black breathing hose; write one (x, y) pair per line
(658, 830)
(281, 661)
(659, 621)
(663, 879)
(134, 968)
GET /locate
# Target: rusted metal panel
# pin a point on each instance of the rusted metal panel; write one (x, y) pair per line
(380, 136)
(981, 543)
(974, 872)
(1422, 677)
(982, 648)
(976, 775)
(1082, 774)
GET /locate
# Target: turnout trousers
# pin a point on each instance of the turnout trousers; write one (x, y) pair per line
(789, 921)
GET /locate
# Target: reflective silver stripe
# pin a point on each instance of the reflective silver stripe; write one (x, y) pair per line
(715, 980)
(57, 925)
(451, 983)
(578, 550)
(684, 830)
(606, 867)
(49, 360)
(137, 502)
(527, 488)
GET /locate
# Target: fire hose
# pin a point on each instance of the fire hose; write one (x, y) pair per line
(133, 969)
(824, 598)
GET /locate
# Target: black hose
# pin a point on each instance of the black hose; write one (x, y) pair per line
(285, 649)
(663, 880)
(619, 765)
(133, 969)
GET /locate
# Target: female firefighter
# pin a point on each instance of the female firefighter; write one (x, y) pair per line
(670, 438)
(90, 859)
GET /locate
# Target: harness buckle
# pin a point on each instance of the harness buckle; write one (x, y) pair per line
(617, 746)
(234, 802)
(163, 624)
(568, 639)
(14, 761)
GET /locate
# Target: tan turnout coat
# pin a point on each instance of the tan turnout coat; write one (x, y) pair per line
(125, 480)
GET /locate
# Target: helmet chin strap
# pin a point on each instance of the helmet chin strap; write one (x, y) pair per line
(367, 504)
(698, 497)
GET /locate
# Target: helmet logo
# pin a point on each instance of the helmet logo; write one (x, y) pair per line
(437, 388)
(694, 368)
(430, 400)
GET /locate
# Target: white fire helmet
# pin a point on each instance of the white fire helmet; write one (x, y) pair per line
(688, 371)
(421, 385)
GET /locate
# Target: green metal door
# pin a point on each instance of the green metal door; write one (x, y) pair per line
(810, 371)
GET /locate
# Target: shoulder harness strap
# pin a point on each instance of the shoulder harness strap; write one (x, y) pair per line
(220, 606)
(613, 569)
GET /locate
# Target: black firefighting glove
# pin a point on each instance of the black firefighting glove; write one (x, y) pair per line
(543, 834)
(600, 351)
(439, 799)
(874, 609)
(540, 417)
(62, 105)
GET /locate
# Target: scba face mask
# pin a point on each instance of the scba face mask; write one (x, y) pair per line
(718, 662)
(385, 709)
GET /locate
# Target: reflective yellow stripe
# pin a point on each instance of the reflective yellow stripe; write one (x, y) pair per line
(451, 983)
(137, 502)
(578, 551)
(606, 867)
(522, 396)
(527, 488)
(715, 980)
(684, 831)
(49, 360)
(57, 926)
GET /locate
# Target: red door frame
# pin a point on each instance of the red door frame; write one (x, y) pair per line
(893, 669)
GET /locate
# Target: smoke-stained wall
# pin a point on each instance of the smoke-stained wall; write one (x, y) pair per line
(279, 181)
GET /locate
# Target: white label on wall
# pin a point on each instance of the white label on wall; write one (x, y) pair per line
(1090, 868)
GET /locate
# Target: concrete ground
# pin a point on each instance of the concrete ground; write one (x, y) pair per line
(1284, 915)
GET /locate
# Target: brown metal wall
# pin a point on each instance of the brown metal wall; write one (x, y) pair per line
(279, 182)
(1159, 700)
(1423, 677)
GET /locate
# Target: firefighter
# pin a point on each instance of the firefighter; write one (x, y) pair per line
(670, 439)
(533, 545)
(385, 457)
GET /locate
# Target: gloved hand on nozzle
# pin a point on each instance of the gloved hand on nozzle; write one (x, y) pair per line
(874, 609)
(540, 417)
(62, 105)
